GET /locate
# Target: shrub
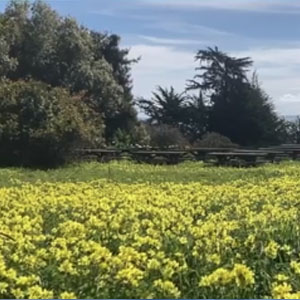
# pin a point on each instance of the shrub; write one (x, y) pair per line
(215, 140)
(166, 136)
(137, 138)
(40, 125)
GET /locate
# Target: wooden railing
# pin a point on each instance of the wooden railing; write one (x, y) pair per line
(221, 156)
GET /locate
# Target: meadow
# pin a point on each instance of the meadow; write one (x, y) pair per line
(123, 230)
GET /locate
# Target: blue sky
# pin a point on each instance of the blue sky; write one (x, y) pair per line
(167, 34)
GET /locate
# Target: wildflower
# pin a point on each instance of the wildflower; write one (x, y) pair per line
(167, 288)
(243, 275)
(67, 267)
(153, 264)
(279, 291)
(214, 258)
(36, 292)
(3, 287)
(130, 275)
(18, 293)
(220, 276)
(272, 249)
(281, 277)
(67, 295)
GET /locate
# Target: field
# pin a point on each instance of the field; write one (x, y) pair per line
(123, 230)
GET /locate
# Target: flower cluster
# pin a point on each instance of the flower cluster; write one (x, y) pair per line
(99, 239)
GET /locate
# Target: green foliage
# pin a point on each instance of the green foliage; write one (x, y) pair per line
(138, 137)
(166, 107)
(214, 140)
(130, 172)
(37, 43)
(166, 136)
(39, 125)
(237, 107)
(290, 131)
(122, 139)
(181, 111)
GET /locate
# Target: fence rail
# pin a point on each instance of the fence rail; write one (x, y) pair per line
(221, 156)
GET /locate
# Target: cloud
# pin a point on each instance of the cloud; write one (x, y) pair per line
(290, 98)
(289, 104)
(180, 27)
(166, 41)
(268, 6)
(160, 65)
(108, 12)
(278, 70)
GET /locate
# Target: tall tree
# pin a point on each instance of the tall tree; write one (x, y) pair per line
(38, 43)
(237, 107)
(196, 117)
(180, 110)
(165, 107)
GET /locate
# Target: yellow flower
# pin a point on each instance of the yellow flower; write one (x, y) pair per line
(281, 277)
(279, 291)
(220, 277)
(3, 287)
(272, 249)
(130, 275)
(153, 264)
(214, 258)
(167, 288)
(67, 295)
(67, 267)
(18, 293)
(243, 275)
(26, 280)
(295, 266)
(36, 292)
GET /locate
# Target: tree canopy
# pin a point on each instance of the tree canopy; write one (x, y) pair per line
(36, 43)
(238, 108)
(43, 54)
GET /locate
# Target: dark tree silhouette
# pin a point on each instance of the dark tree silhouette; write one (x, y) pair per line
(237, 107)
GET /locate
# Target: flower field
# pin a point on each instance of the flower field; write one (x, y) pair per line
(184, 231)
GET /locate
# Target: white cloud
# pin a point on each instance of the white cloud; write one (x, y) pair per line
(290, 98)
(289, 104)
(271, 6)
(165, 41)
(180, 27)
(278, 70)
(161, 65)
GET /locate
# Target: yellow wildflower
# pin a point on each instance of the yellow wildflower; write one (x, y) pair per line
(272, 249)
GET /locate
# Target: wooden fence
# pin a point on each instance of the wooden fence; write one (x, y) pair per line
(219, 156)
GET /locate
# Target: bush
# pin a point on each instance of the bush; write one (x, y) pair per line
(40, 125)
(137, 138)
(166, 136)
(215, 140)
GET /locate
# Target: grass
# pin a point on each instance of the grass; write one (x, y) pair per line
(127, 172)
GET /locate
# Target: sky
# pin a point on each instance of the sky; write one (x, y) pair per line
(166, 35)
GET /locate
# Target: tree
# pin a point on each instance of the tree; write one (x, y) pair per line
(38, 44)
(40, 125)
(178, 110)
(237, 107)
(196, 122)
(166, 107)
(219, 73)
(290, 131)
